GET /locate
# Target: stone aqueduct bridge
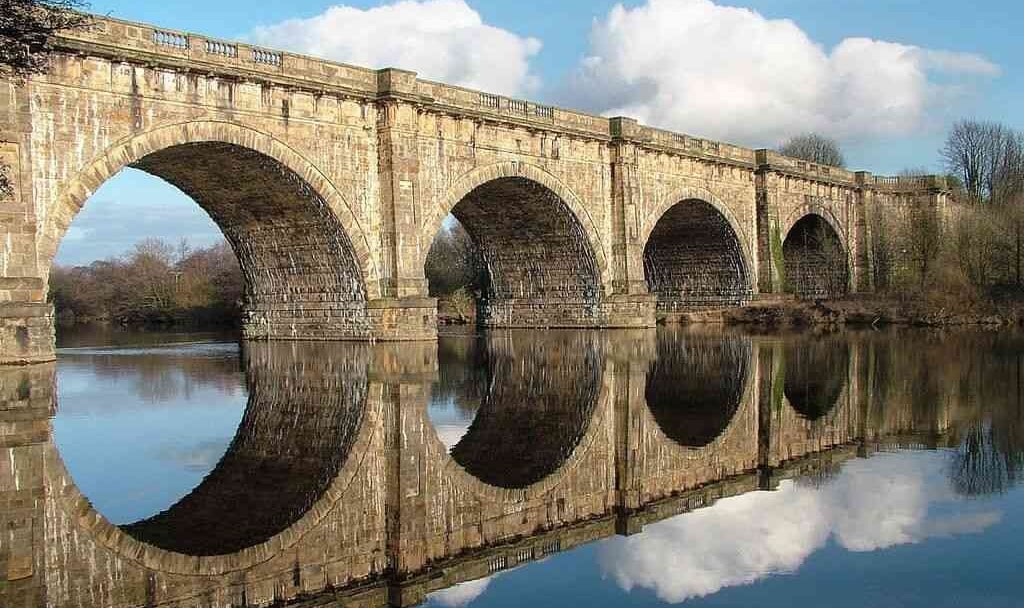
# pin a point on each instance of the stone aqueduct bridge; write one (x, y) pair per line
(331, 181)
(337, 481)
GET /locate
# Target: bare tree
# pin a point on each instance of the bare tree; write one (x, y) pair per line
(924, 240)
(986, 158)
(454, 262)
(27, 28)
(814, 148)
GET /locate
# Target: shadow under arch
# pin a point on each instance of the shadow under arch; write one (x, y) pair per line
(815, 259)
(307, 407)
(261, 194)
(537, 393)
(697, 383)
(816, 370)
(694, 258)
(541, 252)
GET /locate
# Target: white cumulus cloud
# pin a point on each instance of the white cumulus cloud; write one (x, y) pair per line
(461, 594)
(873, 504)
(731, 73)
(444, 40)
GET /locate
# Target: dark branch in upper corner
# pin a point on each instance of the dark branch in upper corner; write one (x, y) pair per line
(27, 28)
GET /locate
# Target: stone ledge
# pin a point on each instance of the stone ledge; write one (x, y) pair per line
(25, 311)
(412, 302)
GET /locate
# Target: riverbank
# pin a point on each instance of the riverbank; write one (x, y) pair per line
(860, 312)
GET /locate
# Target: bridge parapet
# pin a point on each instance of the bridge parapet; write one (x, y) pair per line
(669, 141)
(905, 183)
(124, 38)
(771, 160)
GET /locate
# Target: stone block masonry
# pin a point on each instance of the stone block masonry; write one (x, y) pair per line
(331, 181)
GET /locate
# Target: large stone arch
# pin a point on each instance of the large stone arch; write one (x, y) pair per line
(292, 203)
(815, 253)
(696, 254)
(543, 251)
(288, 383)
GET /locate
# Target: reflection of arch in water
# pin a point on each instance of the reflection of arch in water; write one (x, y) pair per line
(696, 385)
(299, 445)
(815, 375)
(540, 394)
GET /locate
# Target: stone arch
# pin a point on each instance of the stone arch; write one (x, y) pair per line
(161, 551)
(697, 384)
(696, 253)
(815, 375)
(261, 193)
(541, 247)
(539, 408)
(815, 255)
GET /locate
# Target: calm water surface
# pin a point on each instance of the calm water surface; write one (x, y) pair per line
(857, 469)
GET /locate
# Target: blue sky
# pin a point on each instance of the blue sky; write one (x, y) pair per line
(885, 77)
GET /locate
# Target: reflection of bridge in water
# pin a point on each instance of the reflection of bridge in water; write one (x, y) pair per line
(337, 483)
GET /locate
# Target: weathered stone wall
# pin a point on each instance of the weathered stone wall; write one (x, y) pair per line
(789, 192)
(26, 404)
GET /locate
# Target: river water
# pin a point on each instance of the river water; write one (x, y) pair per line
(545, 468)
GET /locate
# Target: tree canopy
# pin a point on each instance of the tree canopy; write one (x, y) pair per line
(814, 148)
(27, 28)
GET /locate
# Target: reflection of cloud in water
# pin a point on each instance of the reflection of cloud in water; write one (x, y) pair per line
(451, 434)
(201, 457)
(872, 504)
(462, 594)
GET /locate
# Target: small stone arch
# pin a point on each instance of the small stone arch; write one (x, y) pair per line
(132, 150)
(823, 211)
(707, 196)
(815, 253)
(696, 254)
(510, 169)
(540, 248)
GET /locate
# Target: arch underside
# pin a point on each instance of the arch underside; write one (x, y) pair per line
(541, 269)
(814, 259)
(537, 400)
(693, 260)
(815, 376)
(302, 277)
(296, 434)
(696, 385)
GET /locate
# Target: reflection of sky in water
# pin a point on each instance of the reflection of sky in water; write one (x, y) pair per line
(885, 531)
(139, 428)
(450, 422)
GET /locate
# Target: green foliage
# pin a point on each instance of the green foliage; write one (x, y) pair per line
(778, 261)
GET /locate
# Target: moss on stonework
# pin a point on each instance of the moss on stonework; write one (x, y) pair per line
(778, 384)
(778, 262)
